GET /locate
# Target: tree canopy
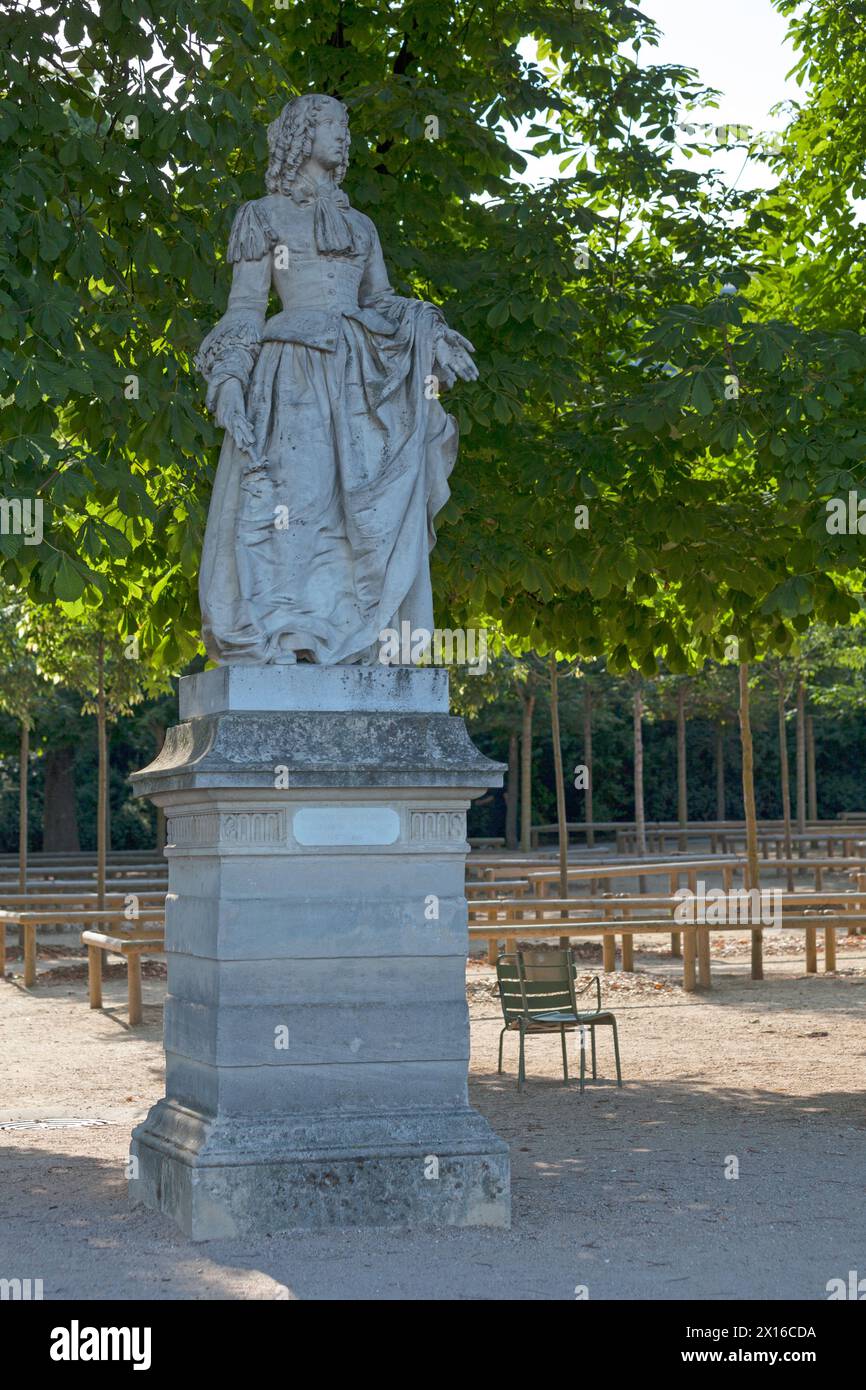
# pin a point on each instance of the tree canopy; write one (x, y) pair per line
(669, 393)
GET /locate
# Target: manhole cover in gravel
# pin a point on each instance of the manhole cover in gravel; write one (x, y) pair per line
(49, 1124)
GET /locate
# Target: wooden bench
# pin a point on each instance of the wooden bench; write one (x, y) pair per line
(495, 920)
(568, 928)
(27, 923)
(132, 947)
(86, 886)
(24, 902)
(80, 873)
(516, 887)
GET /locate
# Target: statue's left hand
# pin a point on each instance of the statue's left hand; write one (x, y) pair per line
(452, 358)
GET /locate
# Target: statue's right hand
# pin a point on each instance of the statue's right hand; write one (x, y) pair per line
(231, 414)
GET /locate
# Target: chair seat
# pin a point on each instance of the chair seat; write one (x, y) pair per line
(540, 1023)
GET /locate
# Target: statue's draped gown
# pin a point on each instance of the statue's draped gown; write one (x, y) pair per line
(328, 543)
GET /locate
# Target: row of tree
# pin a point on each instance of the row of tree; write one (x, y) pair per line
(824, 674)
(597, 739)
(42, 656)
(822, 680)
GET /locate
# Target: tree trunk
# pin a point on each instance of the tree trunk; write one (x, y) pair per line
(587, 758)
(102, 781)
(23, 766)
(785, 778)
(561, 814)
(720, 772)
(682, 785)
(511, 791)
(801, 762)
(753, 869)
(60, 811)
(528, 699)
(639, 816)
(811, 780)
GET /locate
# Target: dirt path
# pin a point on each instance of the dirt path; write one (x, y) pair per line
(623, 1192)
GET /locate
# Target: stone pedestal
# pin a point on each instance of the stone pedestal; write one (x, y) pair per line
(316, 1028)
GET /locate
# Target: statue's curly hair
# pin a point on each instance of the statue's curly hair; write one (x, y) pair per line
(290, 141)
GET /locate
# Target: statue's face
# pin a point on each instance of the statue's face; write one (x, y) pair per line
(331, 140)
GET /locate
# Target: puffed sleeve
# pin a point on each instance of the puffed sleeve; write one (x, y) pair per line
(231, 347)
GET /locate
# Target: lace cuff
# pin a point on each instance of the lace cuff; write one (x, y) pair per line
(229, 350)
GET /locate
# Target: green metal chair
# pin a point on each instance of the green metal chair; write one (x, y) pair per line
(537, 993)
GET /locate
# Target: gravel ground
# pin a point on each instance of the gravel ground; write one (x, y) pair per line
(622, 1194)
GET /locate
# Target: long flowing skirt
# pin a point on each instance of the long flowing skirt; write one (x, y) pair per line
(328, 545)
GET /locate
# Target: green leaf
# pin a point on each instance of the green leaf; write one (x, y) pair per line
(68, 582)
(701, 398)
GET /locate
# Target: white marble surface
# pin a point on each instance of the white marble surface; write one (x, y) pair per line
(346, 825)
(343, 689)
(336, 454)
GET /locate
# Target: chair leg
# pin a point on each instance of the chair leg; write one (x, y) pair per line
(564, 1056)
(616, 1053)
(582, 1058)
(594, 1065)
(521, 1063)
(501, 1040)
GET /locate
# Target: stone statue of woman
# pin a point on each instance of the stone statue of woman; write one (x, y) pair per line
(337, 452)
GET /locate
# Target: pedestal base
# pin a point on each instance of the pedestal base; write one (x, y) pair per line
(222, 1178)
(316, 1028)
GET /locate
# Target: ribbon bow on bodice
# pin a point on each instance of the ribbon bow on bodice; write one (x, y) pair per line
(332, 230)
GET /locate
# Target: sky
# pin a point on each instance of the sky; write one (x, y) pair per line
(737, 46)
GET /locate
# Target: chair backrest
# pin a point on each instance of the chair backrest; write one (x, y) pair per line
(535, 981)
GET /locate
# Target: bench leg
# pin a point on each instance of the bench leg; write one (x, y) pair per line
(29, 933)
(627, 951)
(757, 955)
(704, 979)
(608, 952)
(829, 948)
(811, 951)
(689, 960)
(133, 970)
(676, 944)
(94, 976)
(2, 950)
